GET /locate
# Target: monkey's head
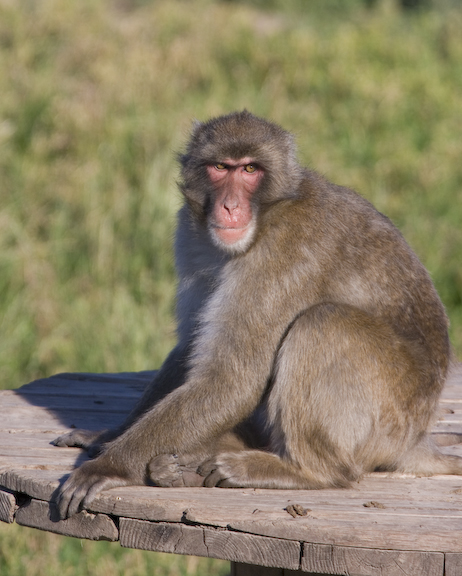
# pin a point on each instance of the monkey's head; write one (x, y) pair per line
(234, 167)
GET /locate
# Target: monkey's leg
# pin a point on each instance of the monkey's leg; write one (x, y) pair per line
(337, 406)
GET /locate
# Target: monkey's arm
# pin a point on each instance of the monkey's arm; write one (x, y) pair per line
(225, 382)
(170, 376)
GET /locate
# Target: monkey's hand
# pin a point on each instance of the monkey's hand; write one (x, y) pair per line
(85, 483)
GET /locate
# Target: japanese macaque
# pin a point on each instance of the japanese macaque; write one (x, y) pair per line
(312, 345)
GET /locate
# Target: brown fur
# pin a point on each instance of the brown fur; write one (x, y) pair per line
(321, 341)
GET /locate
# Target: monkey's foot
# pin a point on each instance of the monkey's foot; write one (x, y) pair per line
(90, 440)
(258, 469)
(223, 471)
(77, 438)
(171, 470)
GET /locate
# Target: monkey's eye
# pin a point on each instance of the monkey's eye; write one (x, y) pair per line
(250, 168)
(220, 166)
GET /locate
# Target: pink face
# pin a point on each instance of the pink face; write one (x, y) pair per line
(232, 222)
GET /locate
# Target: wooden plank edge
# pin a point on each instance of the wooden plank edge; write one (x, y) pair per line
(34, 482)
(209, 542)
(332, 559)
(8, 506)
(44, 516)
(452, 564)
(110, 377)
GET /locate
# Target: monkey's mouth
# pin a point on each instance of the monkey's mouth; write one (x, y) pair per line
(230, 234)
(221, 227)
(233, 239)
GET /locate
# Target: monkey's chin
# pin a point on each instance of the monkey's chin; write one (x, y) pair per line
(233, 240)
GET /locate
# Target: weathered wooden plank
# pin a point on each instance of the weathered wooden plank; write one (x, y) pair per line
(38, 483)
(45, 391)
(402, 496)
(370, 562)
(135, 379)
(420, 513)
(426, 536)
(452, 564)
(64, 465)
(130, 378)
(450, 423)
(20, 438)
(214, 543)
(96, 402)
(452, 450)
(162, 537)
(425, 520)
(7, 507)
(332, 511)
(27, 454)
(120, 502)
(37, 418)
(78, 388)
(452, 389)
(42, 515)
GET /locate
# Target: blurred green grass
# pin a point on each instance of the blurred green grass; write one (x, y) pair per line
(98, 96)
(29, 552)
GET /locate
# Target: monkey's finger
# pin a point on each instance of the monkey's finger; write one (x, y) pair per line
(73, 497)
(75, 502)
(98, 486)
(69, 500)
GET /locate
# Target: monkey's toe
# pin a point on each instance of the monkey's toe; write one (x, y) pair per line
(170, 470)
(215, 474)
(75, 438)
(164, 470)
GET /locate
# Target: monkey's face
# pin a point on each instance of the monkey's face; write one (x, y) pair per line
(234, 167)
(232, 216)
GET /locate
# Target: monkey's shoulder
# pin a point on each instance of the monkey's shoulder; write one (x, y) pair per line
(321, 208)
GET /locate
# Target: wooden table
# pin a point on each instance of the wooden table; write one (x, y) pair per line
(385, 525)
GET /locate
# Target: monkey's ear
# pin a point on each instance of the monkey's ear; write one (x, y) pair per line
(194, 140)
(196, 125)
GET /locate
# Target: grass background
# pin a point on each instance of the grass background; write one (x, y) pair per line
(98, 96)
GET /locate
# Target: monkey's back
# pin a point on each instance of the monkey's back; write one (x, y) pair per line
(354, 255)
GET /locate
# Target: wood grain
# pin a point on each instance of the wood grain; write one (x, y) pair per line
(367, 562)
(453, 565)
(42, 515)
(415, 530)
(7, 507)
(204, 541)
